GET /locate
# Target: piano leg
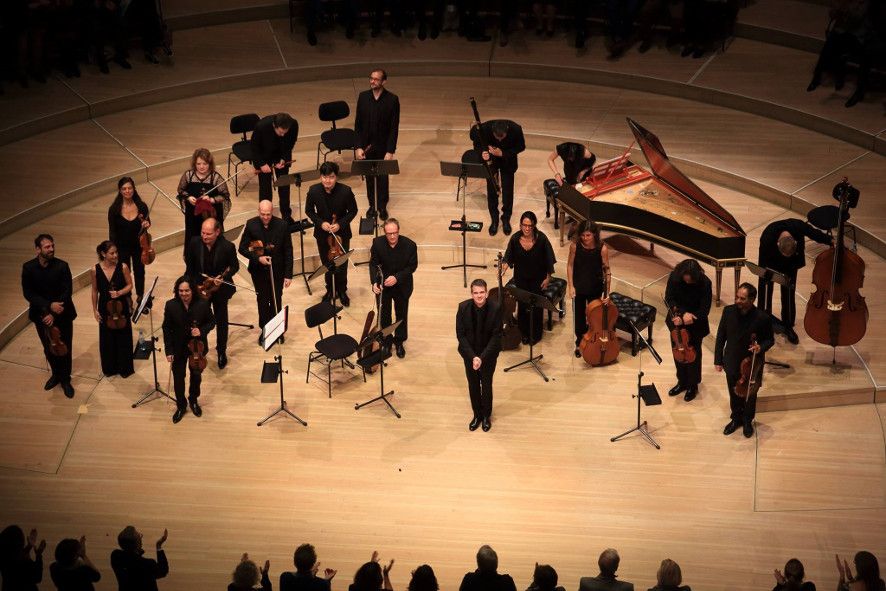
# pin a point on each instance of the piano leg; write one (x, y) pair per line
(562, 220)
(719, 273)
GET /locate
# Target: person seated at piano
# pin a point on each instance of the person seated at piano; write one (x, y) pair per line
(203, 193)
(505, 141)
(587, 272)
(578, 161)
(689, 295)
(531, 255)
(782, 247)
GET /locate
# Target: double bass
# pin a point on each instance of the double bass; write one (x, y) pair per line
(836, 314)
(507, 303)
(599, 346)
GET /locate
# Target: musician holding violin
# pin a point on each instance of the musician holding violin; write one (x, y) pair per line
(211, 263)
(47, 285)
(111, 297)
(272, 142)
(743, 337)
(202, 193)
(331, 206)
(128, 219)
(392, 261)
(587, 272)
(688, 296)
(187, 320)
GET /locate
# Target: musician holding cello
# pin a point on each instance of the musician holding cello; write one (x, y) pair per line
(47, 285)
(111, 297)
(187, 320)
(688, 296)
(267, 243)
(212, 262)
(587, 272)
(745, 332)
(203, 193)
(331, 206)
(128, 218)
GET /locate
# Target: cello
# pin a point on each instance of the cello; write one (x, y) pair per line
(599, 346)
(507, 303)
(749, 378)
(836, 314)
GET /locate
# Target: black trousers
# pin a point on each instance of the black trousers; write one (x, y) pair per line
(689, 374)
(133, 258)
(266, 191)
(59, 366)
(480, 387)
(314, 11)
(219, 305)
(581, 319)
(341, 272)
(179, 367)
(115, 350)
(742, 411)
(436, 7)
(401, 309)
(380, 200)
(507, 196)
(264, 297)
(788, 300)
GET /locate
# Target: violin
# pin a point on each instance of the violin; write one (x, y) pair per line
(683, 350)
(115, 318)
(599, 346)
(56, 345)
(836, 314)
(335, 246)
(749, 379)
(209, 286)
(258, 248)
(146, 244)
(196, 353)
(507, 303)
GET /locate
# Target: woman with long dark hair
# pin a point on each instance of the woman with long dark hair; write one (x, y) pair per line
(867, 574)
(372, 577)
(112, 282)
(587, 272)
(127, 216)
(202, 193)
(20, 572)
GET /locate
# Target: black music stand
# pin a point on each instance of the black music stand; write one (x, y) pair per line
(149, 347)
(372, 169)
(533, 300)
(378, 358)
(773, 276)
(463, 171)
(303, 224)
(330, 267)
(648, 394)
(272, 372)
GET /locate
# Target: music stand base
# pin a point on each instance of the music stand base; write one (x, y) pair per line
(376, 399)
(147, 397)
(281, 408)
(241, 325)
(532, 361)
(777, 364)
(643, 429)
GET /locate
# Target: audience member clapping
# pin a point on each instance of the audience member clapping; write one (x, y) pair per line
(135, 572)
(486, 577)
(305, 576)
(423, 579)
(247, 575)
(669, 577)
(18, 569)
(792, 579)
(867, 574)
(372, 577)
(72, 569)
(605, 581)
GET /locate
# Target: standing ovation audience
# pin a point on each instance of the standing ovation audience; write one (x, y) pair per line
(135, 572)
(305, 576)
(867, 574)
(792, 579)
(487, 577)
(669, 577)
(20, 572)
(72, 569)
(605, 581)
(423, 579)
(247, 575)
(372, 577)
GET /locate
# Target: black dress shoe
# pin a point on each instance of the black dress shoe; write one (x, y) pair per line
(178, 414)
(676, 389)
(730, 428)
(503, 40)
(645, 46)
(691, 393)
(349, 32)
(475, 422)
(123, 62)
(371, 213)
(791, 336)
(222, 360)
(195, 408)
(383, 214)
(493, 228)
(748, 429)
(312, 38)
(401, 351)
(51, 383)
(68, 389)
(344, 299)
(149, 56)
(423, 34)
(577, 352)
(686, 51)
(487, 423)
(506, 227)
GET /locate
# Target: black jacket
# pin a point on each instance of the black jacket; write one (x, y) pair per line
(277, 234)
(695, 299)
(487, 344)
(377, 122)
(734, 337)
(269, 148)
(137, 573)
(42, 286)
(320, 206)
(400, 261)
(177, 323)
(799, 230)
(197, 260)
(512, 144)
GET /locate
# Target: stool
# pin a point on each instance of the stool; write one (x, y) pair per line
(556, 293)
(825, 218)
(642, 315)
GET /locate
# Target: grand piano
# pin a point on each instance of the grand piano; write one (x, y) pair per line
(660, 205)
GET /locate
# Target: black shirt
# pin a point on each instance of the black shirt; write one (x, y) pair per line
(573, 168)
(377, 122)
(268, 147)
(124, 233)
(734, 337)
(21, 574)
(511, 145)
(320, 206)
(694, 298)
(137, 573)
(401, 261)
(799, 230)
(530, 266)
(78, 578)
(303, 582)
(43, 285)
(277, 234)
(213, 262)
(477, 581)
(587, 271)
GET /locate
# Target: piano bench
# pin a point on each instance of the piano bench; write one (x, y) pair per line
(642, 315)
(551, 189)
(556, 293)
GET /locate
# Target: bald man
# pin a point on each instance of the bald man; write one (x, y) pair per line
(275, 259)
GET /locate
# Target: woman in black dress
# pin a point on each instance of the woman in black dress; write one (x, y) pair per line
(577, 163)
(127, 216)
(202, 193)
(111, 281)
(530, 253)
(588, 274)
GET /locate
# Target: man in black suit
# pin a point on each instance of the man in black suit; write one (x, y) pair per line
(688, 296)
(272, 141)
(377, 124)
(275, 260)
(486, 577)
(134, 571)
(392, 261)
(331, 206)
(213, 255)
(739, 323)
(305, 576)
(47, 285)
(499, 141)
(185, 317)
(782, 249)
(605, 581)
(478, 328)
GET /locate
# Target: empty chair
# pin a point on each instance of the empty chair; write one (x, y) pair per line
(241, 124)
(328, 350)
(337, 138)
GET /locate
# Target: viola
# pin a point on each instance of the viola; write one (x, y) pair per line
(146, 244)
(749, 379)
(56, 345)
(683, 350)
(335, 247)
(836, 314)
(115, 318)
(209, 285)
(599, 345)
(196, 353)
(507, 303)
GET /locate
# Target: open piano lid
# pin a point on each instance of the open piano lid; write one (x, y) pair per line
(669, 174)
